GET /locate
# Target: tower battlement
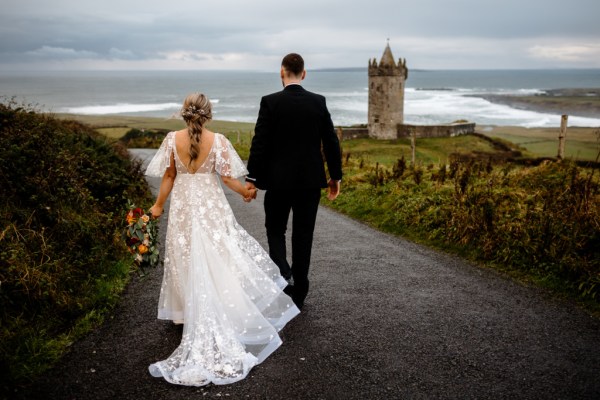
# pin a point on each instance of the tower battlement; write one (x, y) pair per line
(387, 66)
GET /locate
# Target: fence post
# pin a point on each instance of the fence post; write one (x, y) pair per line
(340, 135)
(561, 136)
(413, 143)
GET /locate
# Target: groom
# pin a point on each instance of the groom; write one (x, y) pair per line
(286, 161)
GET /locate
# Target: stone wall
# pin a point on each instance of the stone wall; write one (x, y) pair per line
(405, 130)
(347, 133)
(444, 130)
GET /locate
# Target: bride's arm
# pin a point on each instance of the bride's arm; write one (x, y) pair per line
(166, 185)
(238, 187)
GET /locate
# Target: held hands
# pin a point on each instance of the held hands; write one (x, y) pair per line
(250, 192)
(334, 189)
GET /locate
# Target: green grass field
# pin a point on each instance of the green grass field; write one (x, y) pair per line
(116, 126)
(581, 143)
(428, 150)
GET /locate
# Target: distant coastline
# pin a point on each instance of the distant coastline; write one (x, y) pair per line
(576, 102)
(432, 96)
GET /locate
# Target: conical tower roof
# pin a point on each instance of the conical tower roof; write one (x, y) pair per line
(388, 57)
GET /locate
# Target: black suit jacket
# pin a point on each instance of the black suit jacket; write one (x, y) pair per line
(286, 149)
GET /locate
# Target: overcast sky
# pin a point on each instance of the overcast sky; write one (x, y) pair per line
(255, 34)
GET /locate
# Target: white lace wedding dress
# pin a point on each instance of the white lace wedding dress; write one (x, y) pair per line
(217, 278)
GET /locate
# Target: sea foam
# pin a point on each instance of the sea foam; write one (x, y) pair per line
(120, 108)
(445, 106)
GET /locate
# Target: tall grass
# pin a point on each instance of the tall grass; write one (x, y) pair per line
(64, 190)
(542, 221)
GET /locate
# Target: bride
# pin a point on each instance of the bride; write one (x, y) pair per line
(218, 281)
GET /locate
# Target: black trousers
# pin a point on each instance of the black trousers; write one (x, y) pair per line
(304, 204)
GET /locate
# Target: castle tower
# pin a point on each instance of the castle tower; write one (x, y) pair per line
(386, 95)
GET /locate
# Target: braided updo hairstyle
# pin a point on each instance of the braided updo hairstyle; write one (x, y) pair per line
(196, 112)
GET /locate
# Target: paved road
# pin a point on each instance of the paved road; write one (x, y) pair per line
(385, 319)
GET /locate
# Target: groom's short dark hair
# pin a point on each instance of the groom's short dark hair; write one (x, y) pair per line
(293, 63)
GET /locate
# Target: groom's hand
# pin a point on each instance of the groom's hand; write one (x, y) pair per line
(334, 189)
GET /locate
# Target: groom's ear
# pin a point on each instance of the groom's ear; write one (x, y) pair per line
(282, 73)
(303, 74)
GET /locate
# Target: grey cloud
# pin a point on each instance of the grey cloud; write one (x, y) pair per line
(122, 54)
(60, 53)
(135, 30)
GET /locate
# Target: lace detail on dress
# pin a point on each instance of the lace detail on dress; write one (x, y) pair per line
(217, 278)
(162, 159)
(228, 162)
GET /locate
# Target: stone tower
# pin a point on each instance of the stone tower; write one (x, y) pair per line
(386, 95)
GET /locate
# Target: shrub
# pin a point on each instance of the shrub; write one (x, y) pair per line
(63, 192)
(141, 138)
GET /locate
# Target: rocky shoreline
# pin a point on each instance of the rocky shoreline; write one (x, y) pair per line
(576, 102)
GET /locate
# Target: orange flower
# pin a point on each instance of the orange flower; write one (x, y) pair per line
(137, 235)
(130, 218)
(142, 249)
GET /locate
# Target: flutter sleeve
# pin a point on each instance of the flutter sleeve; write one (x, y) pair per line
(228, 162)
(162, 159)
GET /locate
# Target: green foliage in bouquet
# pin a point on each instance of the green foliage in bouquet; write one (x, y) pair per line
(141, 238)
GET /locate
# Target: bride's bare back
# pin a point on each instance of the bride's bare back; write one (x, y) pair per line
(182, 144)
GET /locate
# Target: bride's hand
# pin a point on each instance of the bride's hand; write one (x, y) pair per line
(156, 211)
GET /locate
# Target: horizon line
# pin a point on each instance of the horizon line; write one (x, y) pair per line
(323, 69)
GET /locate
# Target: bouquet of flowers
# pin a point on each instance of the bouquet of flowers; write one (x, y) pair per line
(141, 238)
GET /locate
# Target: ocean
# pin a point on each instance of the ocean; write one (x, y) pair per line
(432, 96)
